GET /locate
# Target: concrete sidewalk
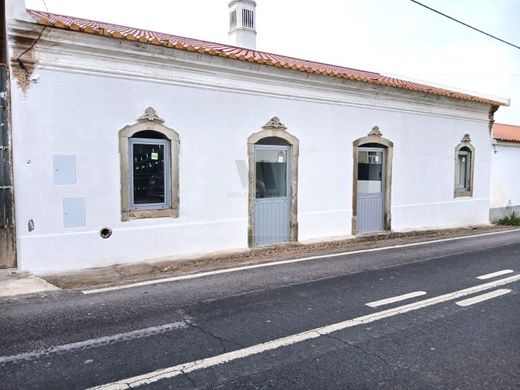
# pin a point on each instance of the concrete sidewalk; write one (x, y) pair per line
(157, 269)
(13, 282)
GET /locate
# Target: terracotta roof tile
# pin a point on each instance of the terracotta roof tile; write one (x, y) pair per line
(217, 49)
(508, 133)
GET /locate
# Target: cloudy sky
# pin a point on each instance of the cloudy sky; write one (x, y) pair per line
(395, 37)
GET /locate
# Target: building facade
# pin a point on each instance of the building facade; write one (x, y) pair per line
(7, 220)
(505, 180)
(132, 146)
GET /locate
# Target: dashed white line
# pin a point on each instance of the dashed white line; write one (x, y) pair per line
(170, 372)
(398, 298)
(282, 262)
(483, 297)
(92, 343)
(495, 274)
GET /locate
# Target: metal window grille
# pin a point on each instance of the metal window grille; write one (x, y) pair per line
(247, 18)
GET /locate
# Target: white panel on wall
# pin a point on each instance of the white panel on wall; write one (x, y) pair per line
(73, 212)
(64, 169)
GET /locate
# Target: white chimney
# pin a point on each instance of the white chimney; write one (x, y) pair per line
(242, 23)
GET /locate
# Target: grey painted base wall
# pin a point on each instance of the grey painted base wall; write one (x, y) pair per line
(501, 212)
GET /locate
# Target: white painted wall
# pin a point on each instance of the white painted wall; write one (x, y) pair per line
(505, 180)
(82, 99)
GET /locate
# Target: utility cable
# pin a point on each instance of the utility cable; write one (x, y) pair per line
(19, 58)
(467, 25)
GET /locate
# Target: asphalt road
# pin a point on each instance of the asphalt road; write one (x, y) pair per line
(300, 325)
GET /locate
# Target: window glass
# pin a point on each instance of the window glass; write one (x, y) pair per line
(370, 172)
(462, 170)
(149, 172)
(149, 163)
(271, 173)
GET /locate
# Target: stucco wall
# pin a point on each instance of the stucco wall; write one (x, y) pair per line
(505, 180)
(78, 112)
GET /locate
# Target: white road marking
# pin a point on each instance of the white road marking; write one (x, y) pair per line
(185, 368)
(495, 274)
(483, 297)
(398, 298)
(92, 343)
(282, 262)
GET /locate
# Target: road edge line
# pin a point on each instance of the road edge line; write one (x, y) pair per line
(282, 262)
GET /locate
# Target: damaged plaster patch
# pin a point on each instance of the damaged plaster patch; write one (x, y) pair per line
(24, 62)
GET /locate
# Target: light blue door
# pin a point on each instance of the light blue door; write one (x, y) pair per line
(370, 190)
(272, 195)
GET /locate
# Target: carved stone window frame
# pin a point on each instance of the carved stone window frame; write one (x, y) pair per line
(149, 121)
(374, 137)
(465, 142)
(273, 128)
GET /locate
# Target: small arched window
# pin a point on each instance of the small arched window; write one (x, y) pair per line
(464, 162)
(149, 169)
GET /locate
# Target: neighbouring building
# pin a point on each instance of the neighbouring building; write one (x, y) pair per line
(505, 179)
(135, 145)
(7, 223)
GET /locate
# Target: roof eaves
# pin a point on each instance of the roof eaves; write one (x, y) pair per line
(241, 54)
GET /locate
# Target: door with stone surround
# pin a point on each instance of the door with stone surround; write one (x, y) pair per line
(370, 190)
(272, 194)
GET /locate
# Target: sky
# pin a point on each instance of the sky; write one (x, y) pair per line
(393, 37)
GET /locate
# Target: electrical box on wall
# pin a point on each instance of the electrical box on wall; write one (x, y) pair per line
(73, 212)
(64, 169)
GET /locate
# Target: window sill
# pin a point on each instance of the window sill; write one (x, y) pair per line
(141, 214)
(462, 194)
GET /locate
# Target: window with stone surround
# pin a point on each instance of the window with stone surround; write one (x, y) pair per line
(464, 167)
(149, 169)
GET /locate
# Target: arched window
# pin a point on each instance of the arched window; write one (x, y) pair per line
(149, 169)
(464, 162)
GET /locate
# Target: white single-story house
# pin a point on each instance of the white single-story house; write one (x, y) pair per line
(505, 179)
(131, 145)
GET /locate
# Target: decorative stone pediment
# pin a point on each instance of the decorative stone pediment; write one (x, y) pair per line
(274, 124)
(150, 116)
(466, 139)
(375, 132)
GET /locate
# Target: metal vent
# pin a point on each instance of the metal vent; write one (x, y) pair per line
(248, 18)
(233, 19)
